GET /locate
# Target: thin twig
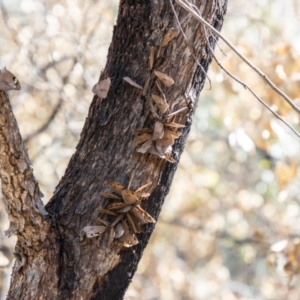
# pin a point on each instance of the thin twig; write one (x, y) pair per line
(45, 126)
(187, 7)
(215, 39)
(188, 44)
(249, 89)
(218, 235)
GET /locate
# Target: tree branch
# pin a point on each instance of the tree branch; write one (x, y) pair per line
(20, 189)
(69, 266)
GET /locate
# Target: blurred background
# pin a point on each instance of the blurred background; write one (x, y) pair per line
(230, 226)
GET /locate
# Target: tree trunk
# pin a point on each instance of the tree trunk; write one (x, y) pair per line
(54, 260)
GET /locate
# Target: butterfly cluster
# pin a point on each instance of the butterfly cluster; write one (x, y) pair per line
(159, 139)
(127, 216)
(121, 220)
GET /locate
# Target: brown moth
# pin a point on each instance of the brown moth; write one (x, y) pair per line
(109, 195)
(8, 81)
(145, 147)
(160, 102)
(133, 83)
(169, 36)
(106, 211)
(125, 209)
(93, 231)
(116, 186)
(164, 78)
(162, 93)
(133, 224)
(158, 131)
(128, 239)
(102, 87)
(146, 86)
(151, 57)
(113, 230)
(129, 197)
(128, 213)
(143, 130)
(142, 138)
(169, 158)
(142, 215)
(119, 231)
(116, 206)
(159, 140)
(143, 187)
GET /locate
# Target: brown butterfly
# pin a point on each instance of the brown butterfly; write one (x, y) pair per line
(160, 139)
(128, 213)
(8, 81)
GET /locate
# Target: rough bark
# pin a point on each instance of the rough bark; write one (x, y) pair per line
(53, 261)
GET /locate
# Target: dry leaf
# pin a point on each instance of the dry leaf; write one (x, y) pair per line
(131, 82)
(172, 32)
(8, 81)
(93, 231)
(164, 78)
(161, 103)
(101, 88)
(285, 172)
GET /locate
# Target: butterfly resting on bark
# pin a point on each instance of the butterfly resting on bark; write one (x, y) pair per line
(8, 81)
